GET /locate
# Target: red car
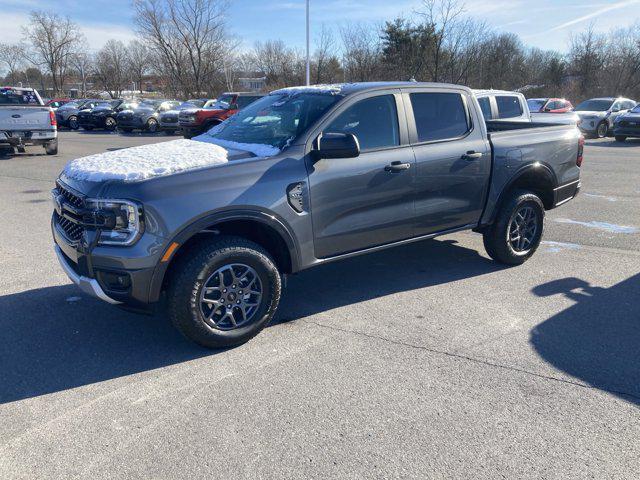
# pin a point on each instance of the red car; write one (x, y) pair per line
(54, 103)
(549, 105)
(195, 121)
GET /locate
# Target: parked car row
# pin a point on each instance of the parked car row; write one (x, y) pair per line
(192, 117)
(597, 117)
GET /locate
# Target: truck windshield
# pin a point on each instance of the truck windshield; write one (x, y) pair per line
(594, 106)
(222, 103)
(536, 104)
(275, 119)
(16, 96)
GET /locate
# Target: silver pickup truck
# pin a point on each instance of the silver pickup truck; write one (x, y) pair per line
(299, 178)
(24, 120)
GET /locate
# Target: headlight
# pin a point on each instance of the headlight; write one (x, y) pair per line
(119, 221)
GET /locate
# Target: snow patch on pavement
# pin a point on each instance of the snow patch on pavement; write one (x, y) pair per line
(146, 161)
(604, 197)
(555, 247)
(607, 227)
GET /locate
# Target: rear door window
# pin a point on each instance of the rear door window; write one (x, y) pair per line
(508, 106)
(485, 106)
(439, 116)
(374, 121)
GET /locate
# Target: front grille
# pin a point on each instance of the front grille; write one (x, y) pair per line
(70, 197)
(72, 230)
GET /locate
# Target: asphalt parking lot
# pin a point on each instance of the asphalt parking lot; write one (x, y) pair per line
(425, 361)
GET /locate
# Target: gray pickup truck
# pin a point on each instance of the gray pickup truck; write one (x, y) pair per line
(208, 228)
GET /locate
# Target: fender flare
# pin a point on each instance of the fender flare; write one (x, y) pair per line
(266, 218)
(538, 168)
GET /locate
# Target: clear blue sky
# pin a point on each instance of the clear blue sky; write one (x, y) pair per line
(541, 23)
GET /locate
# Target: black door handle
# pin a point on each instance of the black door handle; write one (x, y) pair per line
(471, 155)
(395, 167)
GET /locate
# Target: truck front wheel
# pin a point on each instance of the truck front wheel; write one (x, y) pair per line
(223, 292)
(516, 233)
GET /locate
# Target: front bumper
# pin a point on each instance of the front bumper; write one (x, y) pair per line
(86, 284)
(589, 125)
(92, 267)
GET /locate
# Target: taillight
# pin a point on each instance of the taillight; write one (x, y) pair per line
(52, 119)
(580, 151)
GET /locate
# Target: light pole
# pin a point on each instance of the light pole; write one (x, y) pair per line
(308, 58)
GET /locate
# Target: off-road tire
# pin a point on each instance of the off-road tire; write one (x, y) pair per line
(192, 271)
(495, 237)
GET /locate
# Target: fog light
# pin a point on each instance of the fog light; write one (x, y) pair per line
(117, 281)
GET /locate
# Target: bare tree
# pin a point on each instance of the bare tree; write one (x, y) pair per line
(53, 39)
(326, 66)
(189, 35)
(83, 64)
(444, 17)
(282, 66)
(111, 67)
(361, 52)
(12, 56)
(140, 61)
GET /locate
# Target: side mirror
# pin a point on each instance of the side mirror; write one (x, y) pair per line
(234, 106)
(615, 109)
(337, 145)
(547, 109)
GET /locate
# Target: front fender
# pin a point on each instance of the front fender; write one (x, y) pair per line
(265, 217)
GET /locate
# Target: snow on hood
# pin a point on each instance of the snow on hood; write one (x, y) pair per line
(258, 149)
(146, 161)
(331, 89)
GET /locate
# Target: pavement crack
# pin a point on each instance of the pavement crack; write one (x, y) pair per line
(480, 361)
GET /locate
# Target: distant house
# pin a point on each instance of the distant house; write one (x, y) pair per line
(252, 84)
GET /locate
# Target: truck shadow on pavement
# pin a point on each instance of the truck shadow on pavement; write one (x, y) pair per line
(597, 340)
(55, 338)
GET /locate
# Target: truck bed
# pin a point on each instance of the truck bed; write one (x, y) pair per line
(502, 126)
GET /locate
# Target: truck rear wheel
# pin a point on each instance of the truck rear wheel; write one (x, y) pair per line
(223, 292)
(51, 148)
(516, 233)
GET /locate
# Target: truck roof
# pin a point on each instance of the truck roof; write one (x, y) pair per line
(357, 87)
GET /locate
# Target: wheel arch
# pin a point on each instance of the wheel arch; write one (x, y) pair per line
(263, 228)
(538, 178)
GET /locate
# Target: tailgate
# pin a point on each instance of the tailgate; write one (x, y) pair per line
(25, 118)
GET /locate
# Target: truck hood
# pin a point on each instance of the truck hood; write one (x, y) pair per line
(145, 162)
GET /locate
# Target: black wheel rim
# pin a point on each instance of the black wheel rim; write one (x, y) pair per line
(523, 229)
(231, 297)
(73, 123)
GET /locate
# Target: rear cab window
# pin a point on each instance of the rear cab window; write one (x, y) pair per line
(508, 106)
(374, 121)
(485, 106)
(439, 116)
(17, 96)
